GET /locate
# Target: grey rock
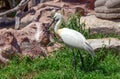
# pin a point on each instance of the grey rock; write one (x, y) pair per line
(113, 3)
(110, 43)
(98, 25)
(100, 3)
(104, 9)
(108, 15)
(107, 9)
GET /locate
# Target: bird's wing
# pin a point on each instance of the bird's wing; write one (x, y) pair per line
(89, 49)
(72, 38)
(76, 39)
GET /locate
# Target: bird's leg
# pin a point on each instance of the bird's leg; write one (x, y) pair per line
(82, 60)
(74, 61)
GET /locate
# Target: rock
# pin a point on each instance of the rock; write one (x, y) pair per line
(29, 44)
(99, 3)
(104, 9)
(90, 4)
(107, 9)
(56, 0)
(33, 49)
(54, 47)
(2, 58)
(110, 43)
(97, 25)
(6, 22)
(108, 16)
(24, 42)
(42, 12)
(113, 4)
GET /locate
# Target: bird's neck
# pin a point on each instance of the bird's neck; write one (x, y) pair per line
(57, 25)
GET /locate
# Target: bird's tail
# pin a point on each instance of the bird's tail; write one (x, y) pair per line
(90, 49)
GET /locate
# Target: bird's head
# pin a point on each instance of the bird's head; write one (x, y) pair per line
(57, 16)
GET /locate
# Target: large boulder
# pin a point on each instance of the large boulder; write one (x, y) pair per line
(104, 9)
(100, 3)
(31, 40)
(103, 26)
(113, 4)
(107, 9)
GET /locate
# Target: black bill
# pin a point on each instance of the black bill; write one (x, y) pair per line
(51, 23)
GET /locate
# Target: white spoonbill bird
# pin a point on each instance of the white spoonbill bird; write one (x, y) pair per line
(72, 38)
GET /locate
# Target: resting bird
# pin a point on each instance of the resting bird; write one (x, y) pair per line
(72, 38)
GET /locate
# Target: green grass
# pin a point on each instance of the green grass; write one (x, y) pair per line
(105, 66)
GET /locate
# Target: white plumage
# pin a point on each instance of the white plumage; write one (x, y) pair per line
(75, 39)
(72, 37)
